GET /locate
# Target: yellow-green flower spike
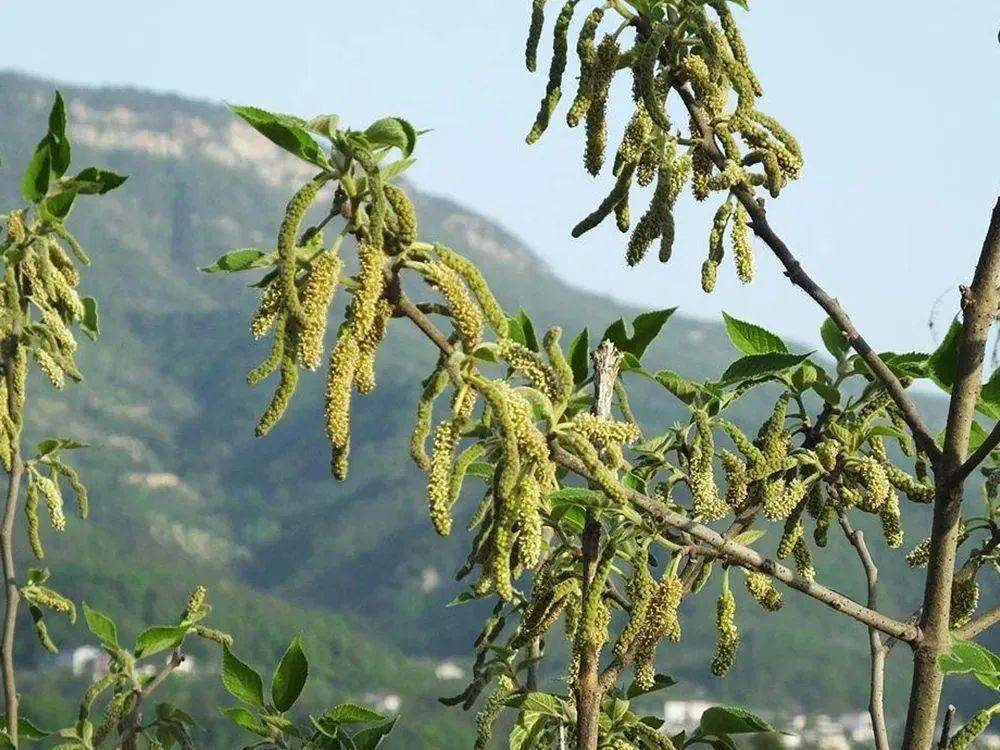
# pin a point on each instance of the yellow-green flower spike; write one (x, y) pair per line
(282, 396)
(82, 501)
(919, 556)
(618, 192)
(525, 361)
(586, 50)
(34, 527)
(657, 220)
(287, 235)
(761, 588)
(803, 560)
(564, 373)
(439, 476)
(622, 217)
(892, 526)
(645, 75)
(742, 250)
(534, 34)
(736, 479)
(47, 364)
(317, 293)
(553, 90)
(195, 603)
(371, 285)
(728, 634)
(343, 363)
(434, 387)
(53, 500)
(597, 133)
(407, 227)
(964, 737)
(270, 365)
(964, 599)
(493, 708)
(465, 313)
(473, 278)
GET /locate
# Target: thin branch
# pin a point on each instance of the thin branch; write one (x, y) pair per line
(131, 725)
(981, 454)
(797, 275)
(11, 591)
(978, 625)
(746, 557)
(949, 717)
(877, 650)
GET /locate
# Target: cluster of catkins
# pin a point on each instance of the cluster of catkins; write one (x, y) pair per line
(39, 304)
(705, 59)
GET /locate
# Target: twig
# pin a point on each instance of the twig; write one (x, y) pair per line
(981, 454)
(977, 626)
(11, 591)
(949, 717)
(877, 650)
(130, 726)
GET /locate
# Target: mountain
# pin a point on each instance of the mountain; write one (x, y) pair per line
(182, 492)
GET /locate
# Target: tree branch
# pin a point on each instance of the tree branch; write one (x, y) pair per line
(130, 726)
(978, 625)
(981, 454)
(11, 591)
(877, 650)
(797, 275)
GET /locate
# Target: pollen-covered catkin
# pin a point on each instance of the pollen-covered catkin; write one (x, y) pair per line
(915, 490)
(728, 634)
(195, 603)
(803, 560)
(33, 525)
(466, 313)
(553, 89)
(283, 333)
(605, 67)
(522, 359)
(433, 387)
(473, 277)
(558, 362)
(892, 526)
(920, 554)
(407, 227)
(439, 477)
(317, 293)
(964, 600)
(658, 219)
(491, 712)
(975, 727)
(364, 375)
(287, 235)
(586, 50)
(53, 500)
(282, 396)
(267, 310)
(623, 218)
(761, 588)
(534, 34)
(736, 479)
(527, 499)
(343, 363)
(612, 199)
(742, 250)
(79, 489)
(47, 364)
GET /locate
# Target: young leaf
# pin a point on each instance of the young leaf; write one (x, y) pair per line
(101, 626)
(752, 339)
(35, 180)
(943, 362)
(290, 676)
(243, 259)
(530, 339)
(159, 638)
(241, 680)
(393, 131)
(371, 738)
(645, 328)
(91, 322)
(721, 720)
(760, 365)
(246, 720)
(288, 132)
(578, 356)
(350, 713)
(834, 339)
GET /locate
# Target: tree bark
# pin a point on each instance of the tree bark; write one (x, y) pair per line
(13, 595)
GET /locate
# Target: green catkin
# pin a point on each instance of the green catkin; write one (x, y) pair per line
(74, 245)
(287, 255)
(79, 489)
(34, 527)
(60, 332)
(282, 396)
(892, 526)
(742, 250)
(781, 500)
(216, 636)
(522, 359)
(48, 365)
(195, 603)
(789, 538)
(618, 192)
(661, 621)
(600, 473)
(371, 285)
(735, 41)
(823, 522)
(42, 630)
(534, 34)
(705, 494)
(528, 499)
(270, 365)
(645, 75)
(433, 388)
(640, 589)
(916, 491)
(736, 480)
(95, 689)
(623, 218)
(267, 311)
(658, 219)
(604, 71)
(53, 500)
(716, 238)
(701, 167)
(473, 277)
(964, 599)
(870, 474)
(920, 554)
(466, 313)
(503, 544)
(317, 293)
(40, 596)
(406, 217)
(728, 634)
(364, 375)
(761, 588)
(803, 560)
(586, 50)
(343, 363)
(439, 476)
(709, 275)
(975, 727)
(553, 89)
(491, 712)
(558, 362)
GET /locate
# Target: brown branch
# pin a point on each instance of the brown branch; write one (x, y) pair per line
(977, 626)
(131, 723)
(949, 717)
(981, 454)
(11, 591)
(746, 557)
(877, 650)
(798, 276)
(979, 308)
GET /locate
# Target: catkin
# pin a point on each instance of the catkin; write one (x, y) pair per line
(553, 89)
(658, 219)
(473, 278)
(34, 527)
(281, 398)
(761, 588)
(343, 362)
(742, 250)
(53, 500)
(534, 34)
(975, 727)
(586, 50)
(597, 133)
(728, 634)
(317, 293)
(439, 476)
(407, 227)
(364, 374)
(491, 712)
(287, 234)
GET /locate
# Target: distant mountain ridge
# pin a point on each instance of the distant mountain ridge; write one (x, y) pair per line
(178, 470)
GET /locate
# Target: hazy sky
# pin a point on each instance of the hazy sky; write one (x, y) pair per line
(896, 105)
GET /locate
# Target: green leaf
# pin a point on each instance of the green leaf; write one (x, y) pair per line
(241, 680)
(60, 148)
(51, 445)
(969, 657)
(827, 392)
(245, 719)
(371, 738)
(833, 339)
(684, 389)
(761, 365)
(646, 327)
(91, 322)
(243, 259)
(159, 638)
(943, 363)
(536, 702)
(285, 131)
(26, 729)
(324, 125)
(290, 676)
(578, 356)
(101, 626)
(394, 170)
(752, 339)
(350, 713)
(530, 339)
(393, 132)
(721, 720)
(660, 681)
(35, 180)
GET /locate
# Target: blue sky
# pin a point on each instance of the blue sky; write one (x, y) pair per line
(895, 104)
